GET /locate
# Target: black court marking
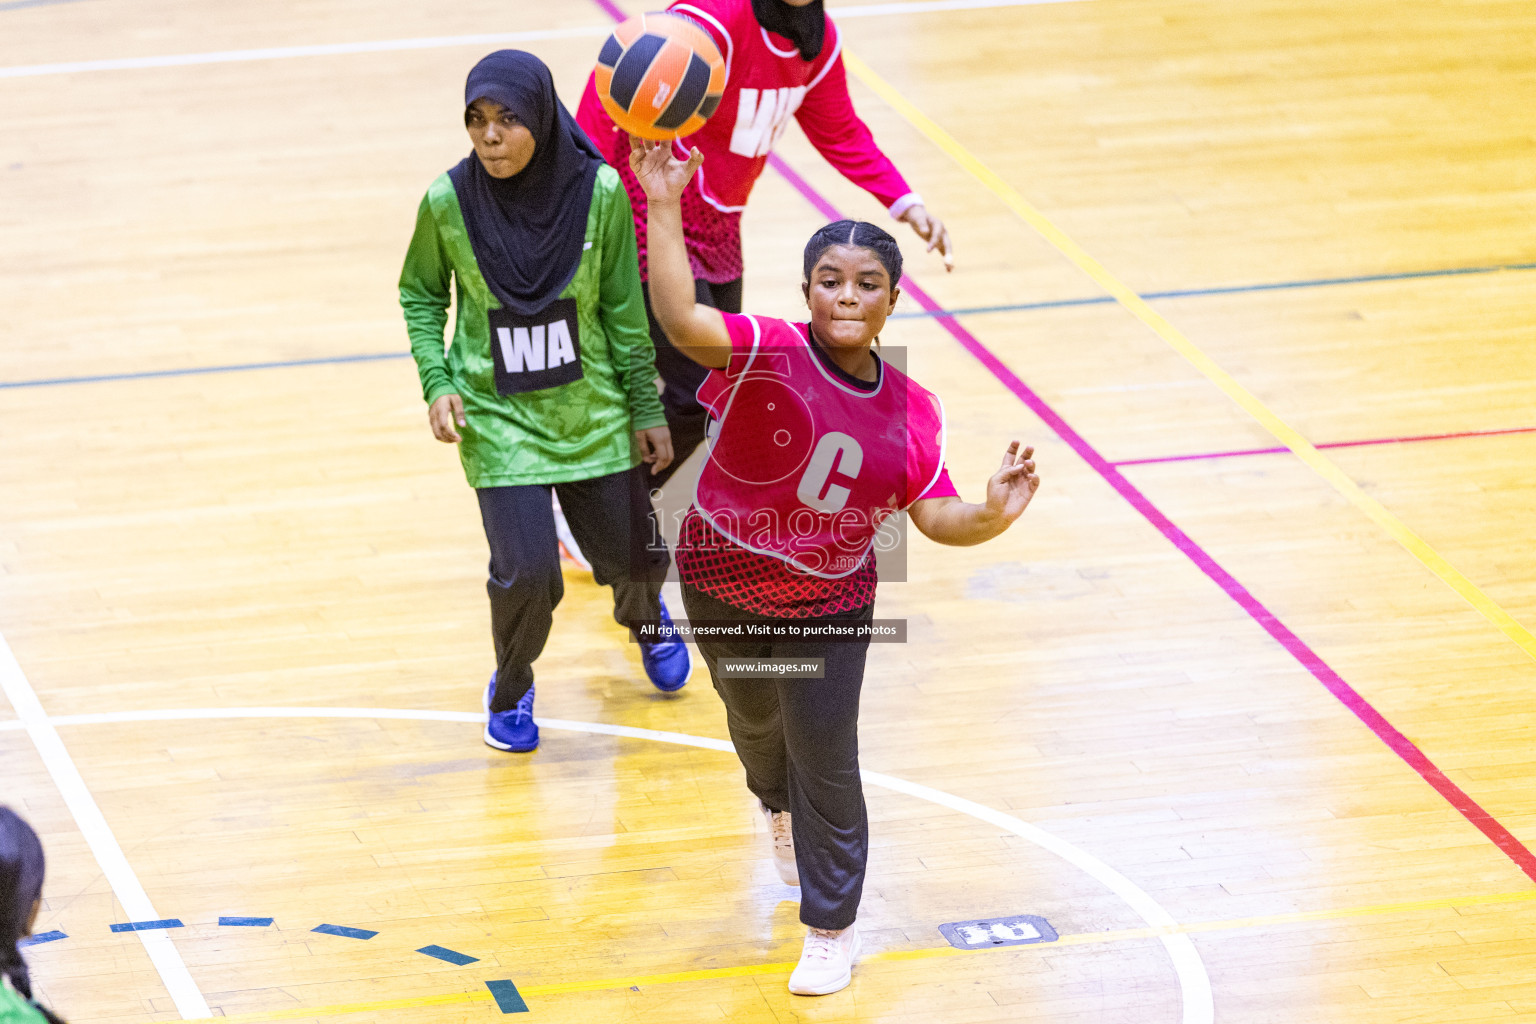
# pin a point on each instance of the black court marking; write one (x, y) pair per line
(245, 922)
(990, 932)
(452, 956)
(508, 999)
(690, 93)
(632, 67)
(344, 931)
(144, 926)
(37, 940)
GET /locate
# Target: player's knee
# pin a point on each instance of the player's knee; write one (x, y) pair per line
(528, 584)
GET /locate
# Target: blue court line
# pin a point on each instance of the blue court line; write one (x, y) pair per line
(508, 999)
(344, 931)
(245, 922)
(189, 371)
(16, 5)
(1020, 307)
(1240, 289)
(144, 926)
(37, 940)
(443, 953)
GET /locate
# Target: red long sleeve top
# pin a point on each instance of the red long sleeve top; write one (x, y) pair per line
(766, 84)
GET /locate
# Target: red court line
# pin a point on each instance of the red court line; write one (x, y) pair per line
(1331, 680)
(1331, 444)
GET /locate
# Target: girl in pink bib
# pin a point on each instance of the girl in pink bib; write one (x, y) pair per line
(815, 442)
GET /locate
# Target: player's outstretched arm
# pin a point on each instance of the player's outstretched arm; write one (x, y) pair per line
(697, 330)
(952, 521)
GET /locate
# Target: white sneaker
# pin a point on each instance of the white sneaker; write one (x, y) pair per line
(826, 962)
(783, 844)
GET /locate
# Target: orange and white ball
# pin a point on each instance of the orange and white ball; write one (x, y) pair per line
(660, 76)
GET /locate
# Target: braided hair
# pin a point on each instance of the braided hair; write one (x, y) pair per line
(855, 232)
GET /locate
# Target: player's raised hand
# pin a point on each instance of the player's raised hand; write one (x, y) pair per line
(931, 230)
(661, 175)
(1014, 484)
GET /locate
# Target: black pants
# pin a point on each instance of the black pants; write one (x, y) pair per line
(798, 739)
(682, 376)
(611, 519)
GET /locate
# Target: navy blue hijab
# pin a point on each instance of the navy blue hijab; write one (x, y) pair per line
(528, 231)
(21, 883)
(806, 26)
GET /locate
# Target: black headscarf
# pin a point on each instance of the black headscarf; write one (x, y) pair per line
(806, 26)
(528, 230)
(21, 883)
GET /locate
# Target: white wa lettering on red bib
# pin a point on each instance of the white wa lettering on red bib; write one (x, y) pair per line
(761, 117)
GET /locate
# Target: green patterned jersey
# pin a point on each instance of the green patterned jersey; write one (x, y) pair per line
(14, 1008)
(573, 431)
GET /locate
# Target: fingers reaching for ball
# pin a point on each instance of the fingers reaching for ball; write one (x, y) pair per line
(659, 172)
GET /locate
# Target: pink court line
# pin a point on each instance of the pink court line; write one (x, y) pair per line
(1331, 680)
(1298, 649)
(1333, 444)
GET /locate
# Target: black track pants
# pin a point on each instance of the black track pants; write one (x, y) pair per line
(611, 519)
(798, 739)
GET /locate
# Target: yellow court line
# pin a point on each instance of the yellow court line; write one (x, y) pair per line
(1138, 307)
(892, 956)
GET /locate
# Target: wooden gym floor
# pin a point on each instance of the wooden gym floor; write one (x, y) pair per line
(1247, 721)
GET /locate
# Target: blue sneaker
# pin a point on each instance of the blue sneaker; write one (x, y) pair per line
(668, 662)
(510, 730)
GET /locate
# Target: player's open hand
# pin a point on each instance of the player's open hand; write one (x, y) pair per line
(655, 447)
(931, 230)
(1014, 484)
(661, 175)
(444, 413)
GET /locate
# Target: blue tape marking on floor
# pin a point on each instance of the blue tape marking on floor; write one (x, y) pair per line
(37, 940)
(507, 997)
(1018, 930)
(144, 926)
(245, 922)
(443, 953)
(192, 371)
(344, 931)
(1239, 289)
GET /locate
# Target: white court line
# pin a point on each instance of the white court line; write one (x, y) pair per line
(1194, 982)
(77, 797)
(175, 60)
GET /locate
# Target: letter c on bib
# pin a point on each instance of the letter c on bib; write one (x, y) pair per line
(835, 451)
